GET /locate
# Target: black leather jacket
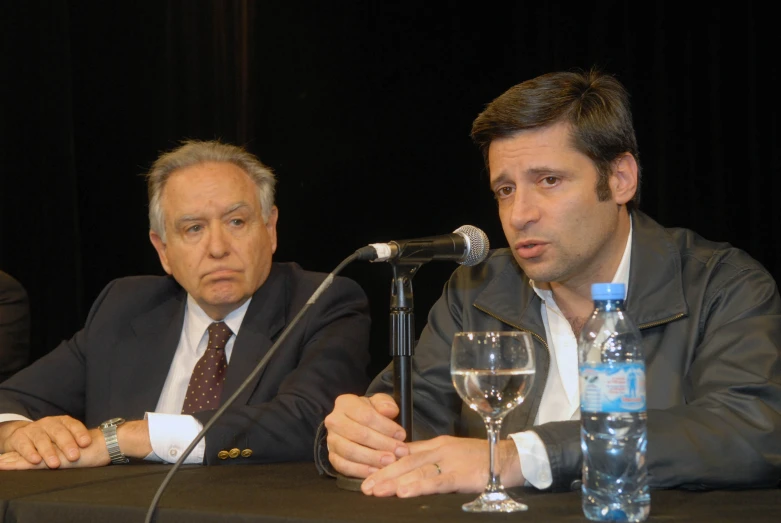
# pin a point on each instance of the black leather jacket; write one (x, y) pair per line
(710, 316)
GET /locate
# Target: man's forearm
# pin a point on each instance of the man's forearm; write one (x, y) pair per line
(509, 463)
(133, 438)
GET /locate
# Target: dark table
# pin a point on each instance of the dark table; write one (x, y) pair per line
(295, 493)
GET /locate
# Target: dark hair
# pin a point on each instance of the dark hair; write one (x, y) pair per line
(595, 105)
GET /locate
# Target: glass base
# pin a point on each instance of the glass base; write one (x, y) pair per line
(494, 502)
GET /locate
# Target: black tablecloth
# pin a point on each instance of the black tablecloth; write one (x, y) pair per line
(295, 493)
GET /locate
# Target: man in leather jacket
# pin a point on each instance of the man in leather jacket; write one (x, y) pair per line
(563, 163)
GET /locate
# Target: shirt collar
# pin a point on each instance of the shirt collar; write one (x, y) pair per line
(621, 275)
(198, 321)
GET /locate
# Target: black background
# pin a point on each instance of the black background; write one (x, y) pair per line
(363, 108)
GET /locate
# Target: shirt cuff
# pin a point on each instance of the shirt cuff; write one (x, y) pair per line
(13, 417)
(170, 434)
(535, 465)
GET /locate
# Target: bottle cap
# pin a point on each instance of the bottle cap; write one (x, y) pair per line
(608, 291)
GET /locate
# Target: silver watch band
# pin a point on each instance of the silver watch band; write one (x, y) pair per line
(109, 430)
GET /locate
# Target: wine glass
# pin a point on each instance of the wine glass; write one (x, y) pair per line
(492, 372)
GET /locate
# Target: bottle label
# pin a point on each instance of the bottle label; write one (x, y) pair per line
(612, 387)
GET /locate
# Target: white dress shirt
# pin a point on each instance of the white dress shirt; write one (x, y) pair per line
(170, 431)
(561, 397)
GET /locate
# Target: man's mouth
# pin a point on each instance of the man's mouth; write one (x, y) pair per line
(531, 249)
(218, 274)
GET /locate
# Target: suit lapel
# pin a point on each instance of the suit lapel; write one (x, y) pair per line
(264, 319)
(142, 362)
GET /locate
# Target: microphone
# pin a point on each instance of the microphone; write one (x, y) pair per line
(467, 245)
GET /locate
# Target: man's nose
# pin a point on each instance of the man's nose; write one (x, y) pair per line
(218, 242)
(525, 209)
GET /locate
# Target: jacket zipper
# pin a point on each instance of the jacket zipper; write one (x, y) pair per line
(661, 322)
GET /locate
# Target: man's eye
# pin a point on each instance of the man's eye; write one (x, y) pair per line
(550, 180)
(193, 229)
(237, 222)
(501, 192)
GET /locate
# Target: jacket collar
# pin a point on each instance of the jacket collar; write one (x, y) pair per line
(655, 291)
(510, 298)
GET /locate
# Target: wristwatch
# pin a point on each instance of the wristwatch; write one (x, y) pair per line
(109, 430)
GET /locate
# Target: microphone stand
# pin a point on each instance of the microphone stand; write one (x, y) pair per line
(402, 334)
(402, 346)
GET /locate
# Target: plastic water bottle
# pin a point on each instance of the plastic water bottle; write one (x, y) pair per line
(612, 411)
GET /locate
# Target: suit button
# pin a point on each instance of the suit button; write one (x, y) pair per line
(576, 484)
(234, 453)
(246, 453)
(223, 454)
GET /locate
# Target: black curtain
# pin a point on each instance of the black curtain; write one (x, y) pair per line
(363, 108)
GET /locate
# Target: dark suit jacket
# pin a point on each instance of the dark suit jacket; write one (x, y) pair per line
(14, 326)
(117, 365)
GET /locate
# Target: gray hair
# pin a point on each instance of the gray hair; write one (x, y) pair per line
(195, 152)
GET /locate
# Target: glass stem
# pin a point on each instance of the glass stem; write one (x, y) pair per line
(494, 428)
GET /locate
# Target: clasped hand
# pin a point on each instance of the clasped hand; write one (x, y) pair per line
(364, 442)
(52, 442)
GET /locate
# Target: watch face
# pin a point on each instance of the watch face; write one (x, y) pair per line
(113, 421)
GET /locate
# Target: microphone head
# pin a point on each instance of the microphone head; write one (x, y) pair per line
(477, 244)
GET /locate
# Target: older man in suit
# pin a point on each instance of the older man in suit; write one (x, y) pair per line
(163, 352)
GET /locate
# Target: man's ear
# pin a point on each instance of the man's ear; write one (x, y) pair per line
(623, 180)
(271, 227)
(159, 245)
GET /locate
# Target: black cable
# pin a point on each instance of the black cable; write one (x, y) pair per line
(262, 363)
